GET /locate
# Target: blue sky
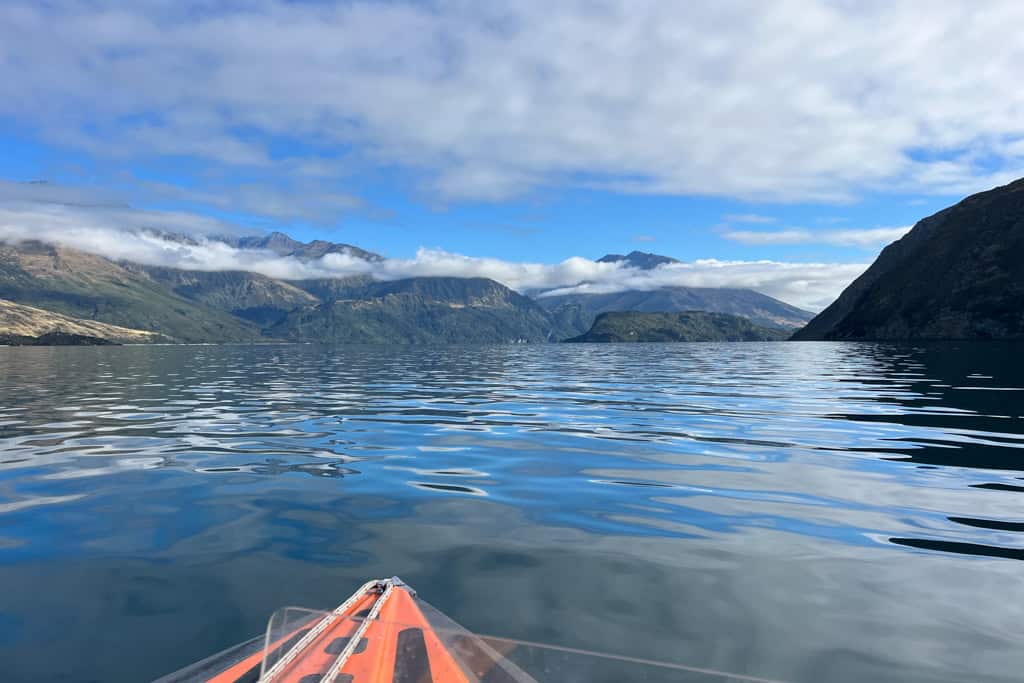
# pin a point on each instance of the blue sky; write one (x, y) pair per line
(546, 226)
(789, 133)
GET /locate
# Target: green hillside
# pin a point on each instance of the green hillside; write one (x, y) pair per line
(91, 287)
(689, 326)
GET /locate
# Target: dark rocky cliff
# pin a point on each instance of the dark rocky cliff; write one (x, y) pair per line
(959, 274)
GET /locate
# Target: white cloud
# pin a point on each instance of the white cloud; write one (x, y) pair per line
(58, 209)
(788, 100)
(43, 193)
(812, 286)
(748, 218)
(99, 230)
(122, 233)
(868, 238)
(306, 201)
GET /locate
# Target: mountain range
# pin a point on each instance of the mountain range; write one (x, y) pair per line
(958, 274)
(283, 245)
(575, 313)
(190, 306)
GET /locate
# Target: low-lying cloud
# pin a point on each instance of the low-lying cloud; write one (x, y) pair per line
(151, 240)
(871, 237)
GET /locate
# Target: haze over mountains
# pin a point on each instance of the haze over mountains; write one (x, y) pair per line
(188, 305)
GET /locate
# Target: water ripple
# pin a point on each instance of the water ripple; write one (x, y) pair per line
(680, 464)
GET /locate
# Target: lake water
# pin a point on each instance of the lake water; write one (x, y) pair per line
(800, 512)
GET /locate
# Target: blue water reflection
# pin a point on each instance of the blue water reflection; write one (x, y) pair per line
(803, 512)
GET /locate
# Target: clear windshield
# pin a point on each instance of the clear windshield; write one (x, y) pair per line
(481, 658)
(285, 629)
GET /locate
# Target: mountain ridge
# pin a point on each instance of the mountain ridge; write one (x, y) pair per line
(284, 245)
(428, 310)
(639, 259)
(255, 298)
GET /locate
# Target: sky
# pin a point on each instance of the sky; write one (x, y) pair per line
(773, 145)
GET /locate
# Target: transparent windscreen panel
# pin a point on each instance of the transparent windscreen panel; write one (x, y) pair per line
(324, 638)
(551, 664)
(286, 628)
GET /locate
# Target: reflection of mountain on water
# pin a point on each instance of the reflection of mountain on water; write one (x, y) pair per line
(975, 549)
(449, 488)
(960, 402)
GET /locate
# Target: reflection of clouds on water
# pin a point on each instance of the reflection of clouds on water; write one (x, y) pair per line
(115, 466)
(448, 472)
(26, 503)
(271, 467)
(758, 601)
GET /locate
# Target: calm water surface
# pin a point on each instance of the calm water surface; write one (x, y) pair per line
(802, 512)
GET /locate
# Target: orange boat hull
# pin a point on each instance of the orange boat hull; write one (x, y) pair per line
(380, 635)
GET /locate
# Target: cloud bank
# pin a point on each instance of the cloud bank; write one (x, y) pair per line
(788, 100)
(867, 238)
(181, 240)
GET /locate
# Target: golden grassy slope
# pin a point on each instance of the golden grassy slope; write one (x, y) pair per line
(26, 321)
